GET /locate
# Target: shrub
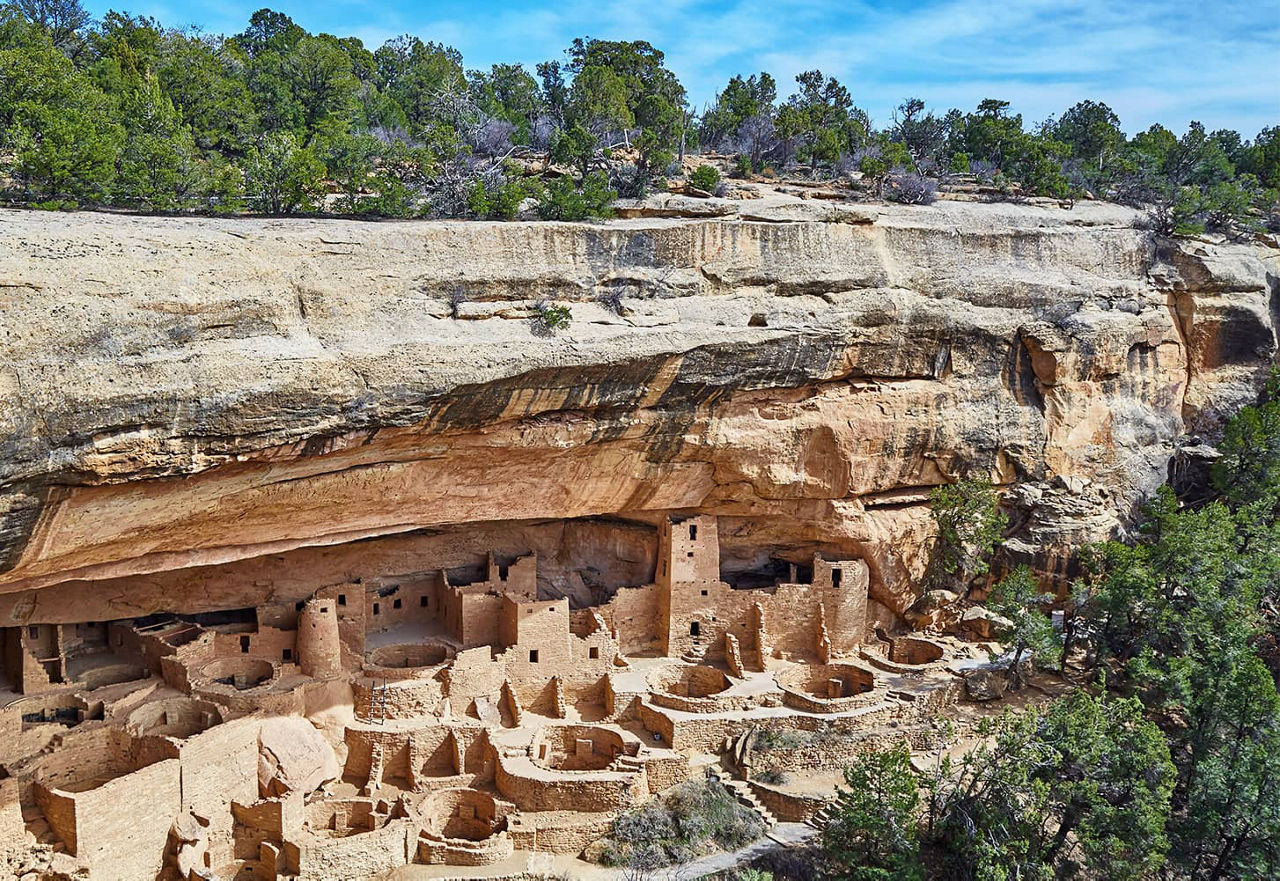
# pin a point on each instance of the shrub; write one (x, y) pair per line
(912, 189)
(692, 820)
(550, 317)
(611, 300)
(561, 200)
(742, 166)
(496, 197)
(779, 738)
(630, 180)
(705, 178)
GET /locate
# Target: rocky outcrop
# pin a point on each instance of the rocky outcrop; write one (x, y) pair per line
(207, 413)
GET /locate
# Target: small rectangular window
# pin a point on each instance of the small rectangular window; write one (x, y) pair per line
(593, 653)
(376, 608)
(244, 645)
(533, 656)
(704, 593)
(837, 575)
(693, 532)
(396, 604)
(690, 555)
(342, 599)
(288, 654)
(422, 601)
(34, 631)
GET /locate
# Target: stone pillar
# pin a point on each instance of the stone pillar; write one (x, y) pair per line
(319, 647)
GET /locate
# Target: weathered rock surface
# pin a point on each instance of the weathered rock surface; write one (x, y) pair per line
(293, 757)
(184, 393)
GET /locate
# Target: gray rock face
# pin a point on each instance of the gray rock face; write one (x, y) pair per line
(187, 394)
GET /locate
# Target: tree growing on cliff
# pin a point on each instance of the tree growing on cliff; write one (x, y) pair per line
(1029, 635)
(969, 526)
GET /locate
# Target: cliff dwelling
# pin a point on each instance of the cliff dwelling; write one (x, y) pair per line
(484, 718)
(315, 572)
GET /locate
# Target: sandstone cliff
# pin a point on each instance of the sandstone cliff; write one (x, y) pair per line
(208, 413)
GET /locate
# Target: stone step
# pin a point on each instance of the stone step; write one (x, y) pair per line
(819, 818)
(741, 790)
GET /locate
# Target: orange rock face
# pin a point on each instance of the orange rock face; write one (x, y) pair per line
(209, 414)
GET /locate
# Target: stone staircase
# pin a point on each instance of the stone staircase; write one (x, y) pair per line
(741, 791)
(819, 820)
(696, 653)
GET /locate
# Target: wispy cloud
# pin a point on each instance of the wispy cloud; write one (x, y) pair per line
(1166, 61)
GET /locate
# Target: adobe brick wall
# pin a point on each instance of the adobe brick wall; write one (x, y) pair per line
(633, 613)
(220, 766)
(122, 827)
(356, 856)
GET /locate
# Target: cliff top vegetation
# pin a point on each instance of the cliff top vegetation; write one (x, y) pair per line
(128, 113)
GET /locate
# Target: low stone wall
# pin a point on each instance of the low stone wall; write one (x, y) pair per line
(534, 789)
(558, 832)
(361, 855)
(789, 807)
(810, 704)
(437, 850)
(830, 753)
(718, 703)
(664, 772)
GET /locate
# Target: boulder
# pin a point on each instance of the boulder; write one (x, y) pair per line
(293, 757)
(984, 685)
(983, 623)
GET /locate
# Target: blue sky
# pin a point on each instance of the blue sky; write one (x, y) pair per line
(1217, 61)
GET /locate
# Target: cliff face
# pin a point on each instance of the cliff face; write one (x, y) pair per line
(202, 414)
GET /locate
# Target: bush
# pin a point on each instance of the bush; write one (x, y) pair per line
(779, 738)
(550, 317)
(694, 819)
(496, 197)
(742, 166)
(561, 200)
(705, 178)
(630, 180)
(911, 189)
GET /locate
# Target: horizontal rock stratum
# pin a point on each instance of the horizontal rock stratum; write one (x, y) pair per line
(206, 413)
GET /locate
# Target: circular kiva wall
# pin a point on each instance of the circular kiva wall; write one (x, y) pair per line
(89, 759)
(179, 717)
(691, 681)
(464, 814)
(576, 747)
(409, 656)
(829, 681)
(240, 673)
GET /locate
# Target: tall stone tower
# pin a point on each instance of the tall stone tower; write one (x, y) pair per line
(319, 648)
